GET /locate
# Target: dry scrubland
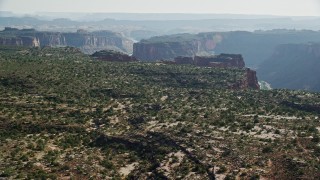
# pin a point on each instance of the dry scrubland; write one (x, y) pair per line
(64, 115)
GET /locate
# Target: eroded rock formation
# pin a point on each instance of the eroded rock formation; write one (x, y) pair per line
(110, 55)
(88, 42)
(169, 47)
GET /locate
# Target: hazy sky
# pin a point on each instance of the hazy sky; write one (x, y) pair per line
(274, 7)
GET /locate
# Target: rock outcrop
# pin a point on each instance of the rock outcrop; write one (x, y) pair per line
(222, 61)
(250, 79)
(88, 42)
(110, 55)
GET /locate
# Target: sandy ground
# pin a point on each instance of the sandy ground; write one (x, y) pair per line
(125, 171)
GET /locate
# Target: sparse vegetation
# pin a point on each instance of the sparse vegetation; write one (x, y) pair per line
(69, 116)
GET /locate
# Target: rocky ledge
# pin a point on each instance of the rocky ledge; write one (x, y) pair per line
(114, 56)
(250, 79)
(222, 61)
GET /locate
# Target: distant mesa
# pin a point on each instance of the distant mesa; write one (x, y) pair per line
(171, 46)
(114, 56)
(87, 42)
(255, 46)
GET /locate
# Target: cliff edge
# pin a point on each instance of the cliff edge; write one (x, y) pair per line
(87, 42)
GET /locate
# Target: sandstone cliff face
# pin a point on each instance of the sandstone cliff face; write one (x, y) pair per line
(11, 41)
(95, 41)
(168, 49)
(251, 79)
(88, 42)
(164, 51)
(20, 41)
(51, 39)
